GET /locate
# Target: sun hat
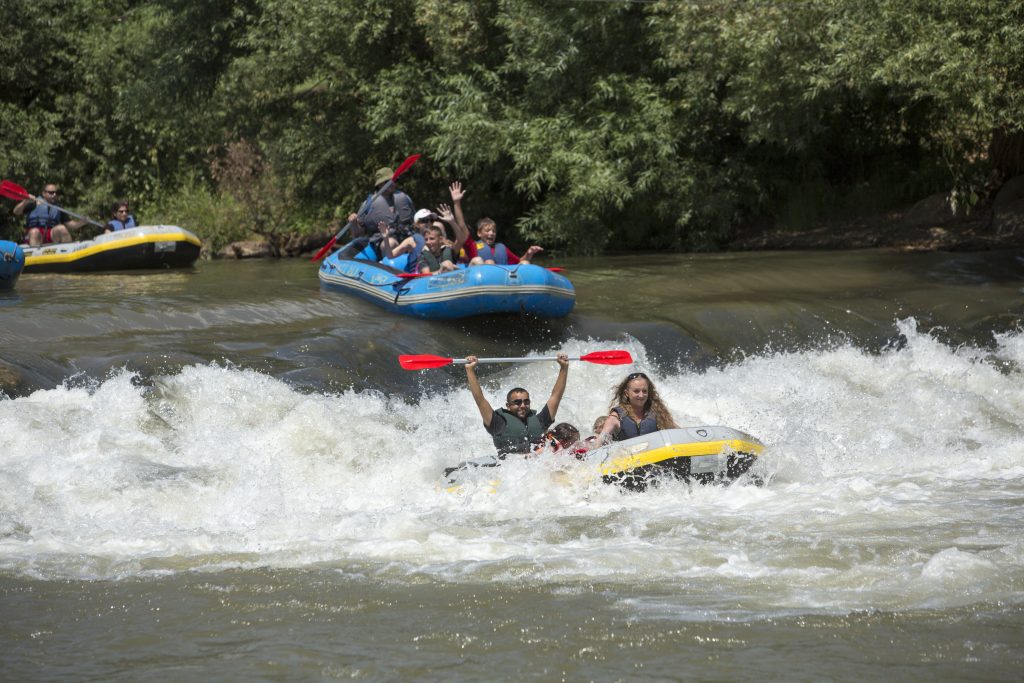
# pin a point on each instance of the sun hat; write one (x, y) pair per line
(382, 175)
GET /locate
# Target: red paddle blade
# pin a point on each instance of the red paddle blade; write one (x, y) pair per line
(323, 250)
(404, 166)
(608, 357)
(13, 190)
(423, 362)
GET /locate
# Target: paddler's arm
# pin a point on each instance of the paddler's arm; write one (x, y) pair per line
(559, 388)
(25, 203)
(610, 425)
(486, 412)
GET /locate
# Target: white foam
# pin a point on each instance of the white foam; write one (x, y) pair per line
(894, 481)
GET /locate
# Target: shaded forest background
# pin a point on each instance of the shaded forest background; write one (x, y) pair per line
(578, 124)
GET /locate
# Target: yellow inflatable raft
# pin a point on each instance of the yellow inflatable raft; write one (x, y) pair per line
(147, 246)
(705, 454)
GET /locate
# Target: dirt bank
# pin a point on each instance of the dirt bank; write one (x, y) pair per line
(928, 225)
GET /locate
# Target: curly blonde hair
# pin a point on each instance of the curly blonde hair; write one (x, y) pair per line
(653, 406)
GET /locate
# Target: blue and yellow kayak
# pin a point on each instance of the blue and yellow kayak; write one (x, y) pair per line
(704, 454)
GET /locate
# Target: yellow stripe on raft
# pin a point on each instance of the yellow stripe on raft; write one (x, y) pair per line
(69, 257)
(686, 450)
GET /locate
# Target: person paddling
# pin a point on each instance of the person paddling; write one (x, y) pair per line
(636, 410)
(388, 205)
(45, 223)
(516, 427)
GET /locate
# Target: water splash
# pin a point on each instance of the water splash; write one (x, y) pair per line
(894, 481)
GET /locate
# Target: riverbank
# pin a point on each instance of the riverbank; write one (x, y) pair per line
(928, 225)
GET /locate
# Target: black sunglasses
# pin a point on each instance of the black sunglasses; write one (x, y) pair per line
(635, 375)
(519, 402)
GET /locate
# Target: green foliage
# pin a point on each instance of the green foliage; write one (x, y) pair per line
(579, 125)
(217, 219)
(266, 196)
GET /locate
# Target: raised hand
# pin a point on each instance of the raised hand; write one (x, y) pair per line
(444, 212)
(456, 191)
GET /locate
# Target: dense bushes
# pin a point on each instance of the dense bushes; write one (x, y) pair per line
(581, 125)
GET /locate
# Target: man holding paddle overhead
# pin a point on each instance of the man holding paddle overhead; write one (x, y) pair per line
(516, 427)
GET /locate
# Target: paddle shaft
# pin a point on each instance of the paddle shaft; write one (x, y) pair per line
(70, 213)
(462, 361)
(425, 361)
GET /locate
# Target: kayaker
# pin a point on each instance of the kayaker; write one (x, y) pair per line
(43, 223)
(516, 427)
(122, 219)
(636, 410)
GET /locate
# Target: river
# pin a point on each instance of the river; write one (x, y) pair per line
(224, 473)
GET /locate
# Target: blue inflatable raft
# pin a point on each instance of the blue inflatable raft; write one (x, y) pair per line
(12, 261)
(479, 290)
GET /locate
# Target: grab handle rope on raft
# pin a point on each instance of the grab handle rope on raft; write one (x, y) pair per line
(400, 292)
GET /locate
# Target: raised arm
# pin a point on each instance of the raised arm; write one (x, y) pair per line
(559, 389)
(486, 412)
(385, 244)
(457, 193)
(444, 212)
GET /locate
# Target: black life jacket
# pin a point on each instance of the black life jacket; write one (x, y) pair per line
(628, 428)
(395, 211)
(518, 436)
(433, 262)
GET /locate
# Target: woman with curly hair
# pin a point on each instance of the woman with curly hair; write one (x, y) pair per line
(636, 410)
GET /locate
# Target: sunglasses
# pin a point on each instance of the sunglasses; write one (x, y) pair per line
(636, 375)
(519, 402)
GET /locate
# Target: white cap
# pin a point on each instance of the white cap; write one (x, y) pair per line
(421, 214)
